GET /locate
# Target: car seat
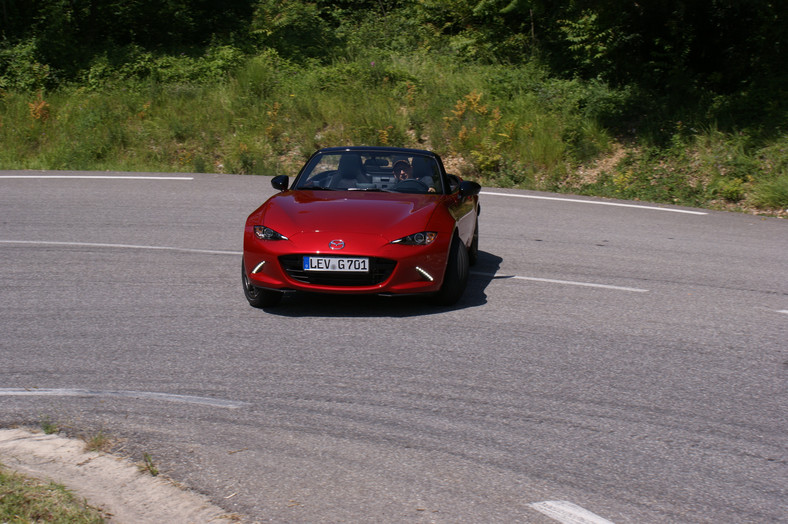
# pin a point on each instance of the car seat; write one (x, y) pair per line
(424, 170)
(349, 172)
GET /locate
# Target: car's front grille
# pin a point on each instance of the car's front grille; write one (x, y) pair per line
(379, 270)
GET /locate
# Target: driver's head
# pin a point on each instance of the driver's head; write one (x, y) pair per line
(402, 170)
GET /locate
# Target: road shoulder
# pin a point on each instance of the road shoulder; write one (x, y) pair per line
(113, 484)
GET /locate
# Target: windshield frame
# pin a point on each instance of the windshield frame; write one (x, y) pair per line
(360, 169)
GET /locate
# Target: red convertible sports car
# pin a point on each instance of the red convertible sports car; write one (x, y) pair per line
(364, 220)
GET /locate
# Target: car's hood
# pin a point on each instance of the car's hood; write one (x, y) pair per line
(368, 213)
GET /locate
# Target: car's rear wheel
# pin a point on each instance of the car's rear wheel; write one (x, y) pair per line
(456, 278)
(256, 296)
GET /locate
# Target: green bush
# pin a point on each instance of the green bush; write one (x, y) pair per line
(21, 70)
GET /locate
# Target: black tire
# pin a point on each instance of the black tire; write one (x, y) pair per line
(456, 277)
(256, 296)
(473, 251)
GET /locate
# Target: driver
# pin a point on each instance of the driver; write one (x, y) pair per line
(404, 171)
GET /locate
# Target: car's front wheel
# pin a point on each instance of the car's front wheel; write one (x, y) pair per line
(456, 278)
(473, 251)
(256, 296)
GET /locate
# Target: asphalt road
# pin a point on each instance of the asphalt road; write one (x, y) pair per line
(623, 359)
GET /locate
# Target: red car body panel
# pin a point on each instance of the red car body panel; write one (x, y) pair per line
(366, 223)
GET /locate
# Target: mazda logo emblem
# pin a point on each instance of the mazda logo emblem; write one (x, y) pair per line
(336, 244)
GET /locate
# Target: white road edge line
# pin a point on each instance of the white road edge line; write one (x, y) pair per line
(595, 202)
(564, 282)
(120, 246)
(97, 177)
(145, 395)
(567, 513)
(783, 311)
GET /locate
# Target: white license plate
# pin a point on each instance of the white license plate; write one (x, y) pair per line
(336, 264)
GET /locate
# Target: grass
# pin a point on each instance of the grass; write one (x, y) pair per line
(510, 126)
(98, 442)
(25, 500)
(48, 426)
(148, 466)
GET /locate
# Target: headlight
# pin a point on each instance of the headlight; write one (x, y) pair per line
(423, 238)
(266, 233)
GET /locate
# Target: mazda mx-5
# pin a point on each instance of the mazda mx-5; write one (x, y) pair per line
(364, 220)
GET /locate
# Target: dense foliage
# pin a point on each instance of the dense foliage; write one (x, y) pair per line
(670, 45)
(687, 96)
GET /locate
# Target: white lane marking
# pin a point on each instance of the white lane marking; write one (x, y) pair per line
(238, 253)
(568, 513)
(98, 177)
(596, 202)
(145, 395)
(564, 282)
(119, 246)
(783, 311)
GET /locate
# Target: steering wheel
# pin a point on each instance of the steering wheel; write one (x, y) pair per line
(410, 185)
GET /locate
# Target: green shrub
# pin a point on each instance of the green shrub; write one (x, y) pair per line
(21, 70)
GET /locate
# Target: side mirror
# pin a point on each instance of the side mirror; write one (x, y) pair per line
(468, 188)
(280, 182)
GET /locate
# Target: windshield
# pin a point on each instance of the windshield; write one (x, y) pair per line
(372, 171)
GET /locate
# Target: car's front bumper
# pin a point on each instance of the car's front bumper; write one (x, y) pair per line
(394, 268)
